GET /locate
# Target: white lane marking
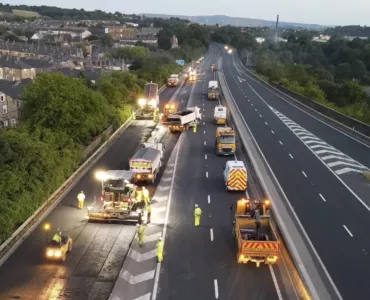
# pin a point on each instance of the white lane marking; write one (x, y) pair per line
(216, 288)
(272, 132)
(266, 123)
(247, 194)
(304, 174)
(204, 132)
(346, 170)
(138, 278)
(166, 179)
(252, 104)
(205, 143)
(204, 123)
(260, 116)
(140, 257)
(322, 197)
(336, 157)
(316, 142)
(248, 100)
(349, 232)
(322, 147)
(291, 156)
(205, 156)
(158, 269)
(144, 297)
(209, 199)
(337, 163)
(207, 174)
(280, 142)
(255, 109)
(211, 233)
(275, 283)
(160, 198)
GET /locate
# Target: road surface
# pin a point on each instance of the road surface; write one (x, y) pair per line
(99, 249)
(318, 168)
(200, 263)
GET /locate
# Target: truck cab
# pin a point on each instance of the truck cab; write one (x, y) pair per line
(235, 176)
(225, 141)
(173, 80)
(220, 114)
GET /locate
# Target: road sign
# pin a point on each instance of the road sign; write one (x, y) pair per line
(180, 62)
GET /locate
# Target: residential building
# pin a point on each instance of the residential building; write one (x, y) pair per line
(148, 31)
(85, 34)
(10, 102)
(14, 69)
(40, 65)
(121, 32)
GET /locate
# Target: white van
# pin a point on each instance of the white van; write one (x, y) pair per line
(220, 114)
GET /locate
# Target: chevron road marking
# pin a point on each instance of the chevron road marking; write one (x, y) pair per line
(171, 165)
(160, 198)
(327, 151)
(337, 157)
(152, 238)
(163, 188)
(144, 297)
(168, 172)
(159, 209)
(346, 170)
(138, 278)
(337, 163)
(321, 146)
(139, 257)
(166, 179)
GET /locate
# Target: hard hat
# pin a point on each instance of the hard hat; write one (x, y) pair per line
(160, 238)
(196, 205)
(144, 188)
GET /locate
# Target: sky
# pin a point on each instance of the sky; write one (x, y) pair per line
(323, 12)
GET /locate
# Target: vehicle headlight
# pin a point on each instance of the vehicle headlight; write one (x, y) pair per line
(58, 253)
(153, 102)
(49, 253)
(142, 102)
(138, 176)
(150, 176)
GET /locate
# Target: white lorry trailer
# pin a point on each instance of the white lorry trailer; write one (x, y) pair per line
(173, 80)
(146, 164)
(182, 120)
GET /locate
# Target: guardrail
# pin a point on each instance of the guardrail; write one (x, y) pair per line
(22, 232)
(357, 127)
(305, 263)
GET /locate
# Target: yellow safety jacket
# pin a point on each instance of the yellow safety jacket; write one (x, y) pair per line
(197, 212)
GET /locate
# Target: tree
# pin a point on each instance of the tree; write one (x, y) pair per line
(351, 93)
(343, 71)
(321, 74)
(107, 40)
(331, 90)
(358, 69)
(164, 42)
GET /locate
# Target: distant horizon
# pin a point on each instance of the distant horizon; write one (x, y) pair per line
(314, 12)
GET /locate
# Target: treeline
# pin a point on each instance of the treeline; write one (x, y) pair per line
(332, 73)
(61, 116)
(351, 30)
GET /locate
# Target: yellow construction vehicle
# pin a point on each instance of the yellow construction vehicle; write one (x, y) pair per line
(253, 235)
(168, 110)
(235, 176)
(220, 115)
(58, 251)
(225, 141)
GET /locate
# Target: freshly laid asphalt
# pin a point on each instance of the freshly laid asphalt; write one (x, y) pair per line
(333, 217)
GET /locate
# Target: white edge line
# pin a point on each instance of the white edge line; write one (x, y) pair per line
(275, 283)
(158, 269)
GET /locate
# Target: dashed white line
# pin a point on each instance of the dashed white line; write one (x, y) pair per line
(248, 100)
(280, 142)
(322, 197)
(205, 156)
(204, 132)
(266, 123)
(252, 104)
(209, 199)
(349, 232)
(291, 156)
(205, 143)
(204, 123)
(216, 288)
(211, 232)
(260, 116)
(272, 132)
(255, 109)
(207, 174)
(304, 174)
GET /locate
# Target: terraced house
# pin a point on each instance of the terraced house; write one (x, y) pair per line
(13, 69)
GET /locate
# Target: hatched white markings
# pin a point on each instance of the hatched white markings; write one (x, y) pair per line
(349, 232)
(160, 198)
(144, 297)
(168, 172)
(337, 161)
(291, 156)
(168, 179)
(138, 278)
(280, 142)
(152, 237)
(163, 188)
(159, 209)
(140, 257)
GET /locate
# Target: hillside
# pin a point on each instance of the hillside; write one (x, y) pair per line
(244, 22)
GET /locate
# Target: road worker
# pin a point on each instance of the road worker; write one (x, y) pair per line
(140, 234)
(81, 200)
(197, 214)
(148, 213)
(139, 196)
(146, 196)
(160, 247)
(57, 237)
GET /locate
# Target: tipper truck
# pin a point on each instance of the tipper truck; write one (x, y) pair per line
(148, 105)
(253, 235)
(225, 141)
(118, 202)
(182, 120)
(173, 80)
(146, 163)
(213, 90)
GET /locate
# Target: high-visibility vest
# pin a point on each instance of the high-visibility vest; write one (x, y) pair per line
(57, 238)
(81, 197)
(146, 193)
(140, 230)
(197, 212)
(149, 208)
(160, 246)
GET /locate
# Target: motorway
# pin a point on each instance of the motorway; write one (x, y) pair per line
(99, 250)
(318, 167)
(200, 263)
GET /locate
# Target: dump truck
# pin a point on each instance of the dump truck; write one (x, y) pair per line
(235, 176)
(118, 201)
(220, 115)
(182, 120)
(192, 76)
(213, 67)
(146, 164)
(167, 110)
(158, 146)
(213, 90)
(253, 235)
(225, 141)
(148, 105)
(173, 80)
